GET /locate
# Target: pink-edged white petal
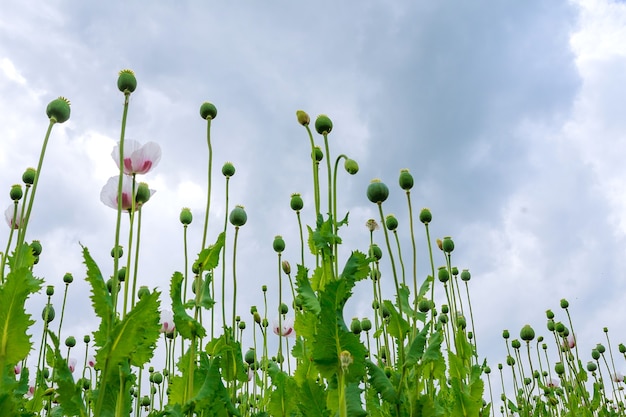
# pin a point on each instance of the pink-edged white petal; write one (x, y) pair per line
(138, 158)
(285, 329)
(72, 364)
(9, 215)
(167, 321)
(108, 195)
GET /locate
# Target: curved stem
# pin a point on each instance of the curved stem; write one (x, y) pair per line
(208, 198)
(316, 181)
(235, 275)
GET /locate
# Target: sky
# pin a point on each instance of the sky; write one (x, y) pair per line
(508, 115)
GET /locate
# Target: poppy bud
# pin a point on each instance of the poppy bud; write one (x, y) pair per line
(143, 193)
(35, 246)
(185, 216)
(228, 169)
(117, 252)
(318, 155)
(208, 111)
(283, 309)
(405, 180)
(286, 267)
(126, 81)
(296, 202)
(16, 192)
(303, 118)
(278, 244)
(425, 216)
(351, 166)
(48, 313)
(70, 342)
(375, 252)
(29, 176)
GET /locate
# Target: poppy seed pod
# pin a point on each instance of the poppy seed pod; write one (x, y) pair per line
(564, 303)
(143, 291)
(35, 246)
(50, 290)
(16, 192)
(377, 191)
(48, 313)
(447, 244)
(351, 166)
(58, 110)
(318, 155)
(355, 326)
(465, 275)
(559, 368)
(366, 325)
(443, 274)
(527, 333)
(592, 366)
(323, 124)
(278, 244)
(391, 222)
(283, 309)
(228, 169)
(68, 278)
(29, 176)
(208, 111)
(185, 216)
(375, 252)
(424, 305)
(249, 357)
(303, 117)
(405, 180)
(126, 81)
(425, 216)
(296, 202)
(117, 252)
(70, 342)
(238, 216)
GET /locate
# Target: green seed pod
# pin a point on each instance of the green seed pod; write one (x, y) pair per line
(242, 325)
(286, 267)
(465, 275)
(366, 325)
(145, 401)
(426, 216)
(445, 309)
(351, 166)
(70, 342)
(527, 381)
(355, 326)
(375, 274)
(126, 81)
(424, 305)
(298, 303)
(36, 260)
(317, 155)
(28, 177)
(527, 333)
(505, 334)
(405, 180)
(486, 369)
(455, 271)
(600, 348)
(68, 278)
(283, 308)
(110, 286)
(264, 288)
(564, 303)
(622, 348)
(121, 274)
(443, 274)
(157, 378)
(443, 318)
(592, 366)
(50, 290)
(559, 327)
(117, 252)
(510, 360)
(375, 305)
(515, 344)
(559, 368)
(323, 124)
(595, 354)
(185, 216)
(549, 314)
(303, 117)
(278, 244)
(375, 252)
(86, 384)
(228, 169)
(296, 202)
(391, 223)
(143, 194)
(86, 338)
(48, 313)
(265, 323)
(250, 356)
(58, 110)
(35, 246)
(238, 216)
(551, 325)
(143, 291)
(447, 244)
(385, 311)
(377, 192)
(461, 322)
(16, 192)
(208, 111)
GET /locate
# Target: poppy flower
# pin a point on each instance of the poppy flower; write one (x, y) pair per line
(108, 195)
(167, 322)
(9, 215)
(287, 328)
(138, 158)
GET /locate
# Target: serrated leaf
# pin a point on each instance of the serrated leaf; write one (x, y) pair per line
(15, 343)
(209, 258)
(381, 383)
(304, 289)
(397, 327)
(230, 352)
(357, 267)
(283, 398)
(101, 300)
(212, 397)
(312, 399)
(69, 395)
(186, 325)
(416, 349)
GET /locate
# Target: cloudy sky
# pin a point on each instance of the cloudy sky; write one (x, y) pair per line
(508, 114)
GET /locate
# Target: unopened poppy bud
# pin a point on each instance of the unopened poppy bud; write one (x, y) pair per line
(564, 303)
(375, 252)
(48, 313)
(35, 246)
(278, 244)
(351, 166)
(143, 193)
(443, 318)
(286, 267)
(323, 124)
(318, 155)
(117, 252)
(527, 333)
(185, 216)
(465, 275)
(208, 111)
(28, 177)
(366, 324)
(70, 342)
(58, 110)
(443, 274)
(238, 216)
(228, 169)
(447, 244)
(377, 191)
(385, 312)
(391, 222)
(126, 81)
(68, 278)
(145, 401)
(296, 202)
(425, 216)
(487, 369)
(257, 317)
(405, 180)
(303, 117)
(16, 192)
(265, 323)
(143, 291)
(355, 326)
(439, 243)
(50, 290)
(110, 286)
(283, 309)
(622, 348)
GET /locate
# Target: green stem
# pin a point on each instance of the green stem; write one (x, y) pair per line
(301, 238)
(136, 264)
(432, 269)
(6, 252)
(223, 265)
(316, 181)
(208, 198)
(235, 275)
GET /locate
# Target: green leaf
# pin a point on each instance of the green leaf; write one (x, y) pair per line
(15, 343)
(397, 326)
(101, 300)
(209, 258)
(230, 352)
(212, 397)
(353, 400)
(416, 350)
(357, 267)
(312, 399)
(206, 300)
(381, 383)
(186, 325)
(135, 336)
(283, 398)
(304, 289)
(69, 395)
